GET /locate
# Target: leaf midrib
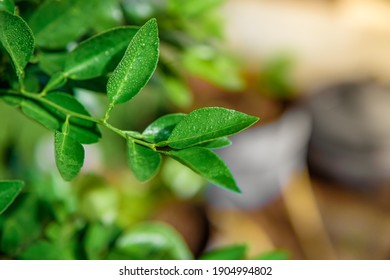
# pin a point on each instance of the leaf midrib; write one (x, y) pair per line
(211, 133)
(125, 78)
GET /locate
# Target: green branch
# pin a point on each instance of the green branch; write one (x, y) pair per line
(71, 114)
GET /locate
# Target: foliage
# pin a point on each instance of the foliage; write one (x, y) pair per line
(59, 220)
(239, 252)
(54, 219)
(8, 191)
(73, 125)
(48, 51)
(275, 77)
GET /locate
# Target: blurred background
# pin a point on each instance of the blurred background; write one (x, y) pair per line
(314, 172)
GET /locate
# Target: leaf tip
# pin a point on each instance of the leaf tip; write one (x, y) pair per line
(237, 190)
(153, 21)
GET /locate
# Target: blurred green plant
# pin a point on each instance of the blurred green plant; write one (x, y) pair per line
(275, 76)
(8, 192)
(50, 49)
(186, 138)
(88, 219)
(240, 252)
(55, 219)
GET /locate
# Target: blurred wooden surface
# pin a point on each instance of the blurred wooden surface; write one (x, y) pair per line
(357, 224)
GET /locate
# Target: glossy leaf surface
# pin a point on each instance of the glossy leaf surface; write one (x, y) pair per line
(69, 155)
(98, 55)
(207, 164)
(17, 39)
(161, 129)
(137, 65)
(208, 124)
(143, 161)
(8, 192)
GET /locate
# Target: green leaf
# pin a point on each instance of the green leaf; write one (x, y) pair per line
(84, 135)
(97, 240)
(98, 84)
(161, 129)
(7, 5)
(233, 252)
(208, 124)
(56, 23)
(22, 225)
(182, 181)
(98, 55)
(152, 241)
(137, 65)
(70, 103)
(17, 39)
(84, 132)
(8, 192)
(57, 80)
(140, 11)
(177, 91)
(51, 62)
(276, 76)
(273, 255)
(69, 155)
(31, 81)
(13, 100)
(192, 8)
(213, 66)
(108, 14)
(43, 250)
(38, 113)
(208, 164)
(143, 161)
(217, 144)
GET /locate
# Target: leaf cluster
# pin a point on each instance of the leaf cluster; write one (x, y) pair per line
(128, 56)
(44, 223)
(52, 47)
(47, 224)
(186, 28)
(8, 192)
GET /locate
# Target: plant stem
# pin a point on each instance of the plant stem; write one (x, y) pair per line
(108, 112)
(8, 92)
(130, 135)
